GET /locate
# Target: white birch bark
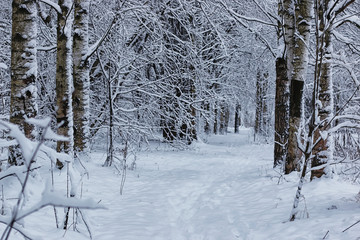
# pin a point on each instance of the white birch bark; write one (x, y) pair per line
(23, 69)
(325, 106)
(81, 80)
(283, 74)
(64, 77)
(288, 14)
(303, 16)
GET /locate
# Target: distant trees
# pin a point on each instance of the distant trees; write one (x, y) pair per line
(178, 106)
(170, 71)
(178, 70)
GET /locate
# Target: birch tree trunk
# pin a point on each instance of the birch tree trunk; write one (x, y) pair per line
(81, 100)
(303, 15)
(323, 150)
(23, 69)
(64, 78)
(261, 114)
(282, 97)
(283, 76)
(287, 12)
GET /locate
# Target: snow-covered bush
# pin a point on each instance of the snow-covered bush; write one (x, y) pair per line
(32, 191)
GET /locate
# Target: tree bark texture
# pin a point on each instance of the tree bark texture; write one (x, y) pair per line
(23, 69)
(286, 10)
(64, 82)
(261, 114)
(81, 80)
(303, 15)
(282, 97)
(323, 150)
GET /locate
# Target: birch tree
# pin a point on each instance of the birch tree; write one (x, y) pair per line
(285, 31)
(325, 105)
(303, 10)
(64, 77)
(80, 95)
(327, 12)
(261, 115)
(23, 69)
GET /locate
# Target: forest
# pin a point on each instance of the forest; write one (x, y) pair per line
(238, 105)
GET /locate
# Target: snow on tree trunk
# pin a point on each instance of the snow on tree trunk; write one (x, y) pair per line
(281, 112)
(81, 80)
(323, 150)
(23, 69)
(303, 15)
(261, 115)
(286, 9)
(283, 74)
(64, 78)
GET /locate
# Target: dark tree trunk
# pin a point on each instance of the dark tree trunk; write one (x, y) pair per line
(216, 120)
(237, 118)
(110, 154)
(282, 96)
(224, 118)
(294, 154)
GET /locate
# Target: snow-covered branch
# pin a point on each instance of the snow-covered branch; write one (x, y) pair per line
(53, 5)
(250, 19)
(257, 34)
(51, 199)
(46, 48)
(95, 46)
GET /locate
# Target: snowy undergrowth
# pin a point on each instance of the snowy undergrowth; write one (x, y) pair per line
(220, 190)
(25, 189)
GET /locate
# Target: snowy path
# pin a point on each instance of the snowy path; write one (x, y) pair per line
(222, 190)
(207, 193)
(201, 194)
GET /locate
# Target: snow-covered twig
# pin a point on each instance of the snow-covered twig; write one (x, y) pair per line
(239, 19)
(30, 151)
(351, 226)
(15, 132)
(53, 5)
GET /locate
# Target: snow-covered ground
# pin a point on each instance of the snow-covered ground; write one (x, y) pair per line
(220, 190)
